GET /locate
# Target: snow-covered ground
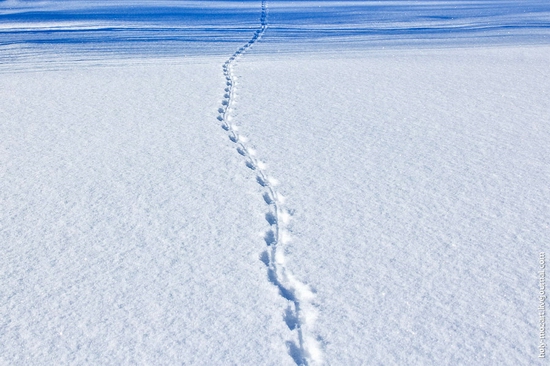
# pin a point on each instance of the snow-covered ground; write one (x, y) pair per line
(342, 183)
(420, 184)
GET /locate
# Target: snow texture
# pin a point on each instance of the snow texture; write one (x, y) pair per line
(273, 182)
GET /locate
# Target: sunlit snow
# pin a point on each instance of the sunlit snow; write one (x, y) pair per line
(273, 182)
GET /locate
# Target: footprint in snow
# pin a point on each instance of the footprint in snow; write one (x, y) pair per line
(267, 198)
(270, 218)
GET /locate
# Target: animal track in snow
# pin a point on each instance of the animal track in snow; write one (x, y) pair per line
(301, 312)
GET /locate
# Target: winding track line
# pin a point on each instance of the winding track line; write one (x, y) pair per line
(301, 314)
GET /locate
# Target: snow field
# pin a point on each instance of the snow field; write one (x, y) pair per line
(128, 229)
(418, 185)
(300, 313)
(358, 205)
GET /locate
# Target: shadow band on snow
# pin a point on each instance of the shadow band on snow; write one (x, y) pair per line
(182, 28)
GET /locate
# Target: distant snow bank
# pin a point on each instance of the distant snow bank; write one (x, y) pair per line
(43, 30)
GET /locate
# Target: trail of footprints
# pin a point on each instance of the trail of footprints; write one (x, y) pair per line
(301, 312)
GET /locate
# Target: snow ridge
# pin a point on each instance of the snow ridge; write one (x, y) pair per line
(301, 313)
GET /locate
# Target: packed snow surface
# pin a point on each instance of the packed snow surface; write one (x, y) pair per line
(273, 183)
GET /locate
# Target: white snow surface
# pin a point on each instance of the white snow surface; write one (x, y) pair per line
(419, 184)
(129, 234)
(329, 184)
